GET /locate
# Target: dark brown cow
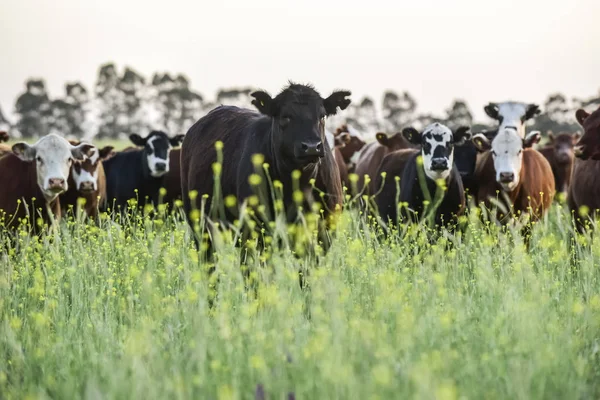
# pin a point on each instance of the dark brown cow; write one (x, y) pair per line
(560, 155)
(4, 136)
(88, 181)
(288, 134)
(515, 174)
(584, 193)
(372, 154)
(38, 175)
(173, 179)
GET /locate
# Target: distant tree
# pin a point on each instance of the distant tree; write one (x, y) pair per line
(69, 113)
(423, 120)
(363, 116)
(557, 116)
(33, 109)
(235, 97)
(589, 103)
(132, 118)
(109, 102)
(177, 105)
(398, 110)
(5, 124)
(458, 114)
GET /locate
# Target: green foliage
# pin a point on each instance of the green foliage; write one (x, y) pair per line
(120, 311)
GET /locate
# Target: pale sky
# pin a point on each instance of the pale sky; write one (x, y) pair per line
(438, 50)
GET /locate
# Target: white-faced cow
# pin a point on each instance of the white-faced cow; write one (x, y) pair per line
(140, 172)
(514, 173)
(33, 176)
(512, 115)
(288, 133)
(432, 169)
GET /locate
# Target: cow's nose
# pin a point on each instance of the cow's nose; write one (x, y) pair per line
(438, 164)
(160, 166)
(86, 186)
(312, 148)
(56, 183)
(507, 177)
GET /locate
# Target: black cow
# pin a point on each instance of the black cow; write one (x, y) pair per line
(466, 157)
(288, 134)
(142, 170)
(436, 168)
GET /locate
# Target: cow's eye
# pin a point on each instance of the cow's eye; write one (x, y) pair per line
(520, 151)
(38, 159)
(493, 153)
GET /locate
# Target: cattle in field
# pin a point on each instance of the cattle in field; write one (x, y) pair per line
(287, 133)
(371, 156)
(466, 156)
(584, 192)
(515, 174)
(560, 154)
(337, 156)
(139, 173)
(38, 175)
(4, 136)
(88, 181)
(426, 175)
(349, 143)
(512, 115)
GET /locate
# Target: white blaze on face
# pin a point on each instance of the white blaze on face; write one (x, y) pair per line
(85, 178)
(155, 157)
(437, 151)
(507, 152)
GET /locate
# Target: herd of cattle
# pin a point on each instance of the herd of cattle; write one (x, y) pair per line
(503, 165)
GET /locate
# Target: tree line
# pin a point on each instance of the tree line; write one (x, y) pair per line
(124, 102)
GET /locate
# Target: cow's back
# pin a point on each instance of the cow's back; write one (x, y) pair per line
(123, 174)
(19, 186)
(585, 187)
(369, 162)
(537, 188)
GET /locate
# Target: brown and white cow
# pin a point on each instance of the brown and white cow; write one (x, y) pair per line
(514, 173)
(88, 181)
(38, 175)
(372, 154)
(335, 147)
(560, 154)
(584, 193)
(350, 144)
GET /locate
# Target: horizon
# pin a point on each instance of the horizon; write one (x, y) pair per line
(366, 50)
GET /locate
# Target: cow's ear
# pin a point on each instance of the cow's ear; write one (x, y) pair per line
(532, 111)
(550, 137)
(492, 110)
(461, 135)
(382, 138)
(83, 150)
(137, 140)
(335, 100)
(531, 139)
(176, 140)
(345, 138)
(24, 151)
(105, 152)
(412, 135)
(263, 103)
(581, 115)
(481, 142)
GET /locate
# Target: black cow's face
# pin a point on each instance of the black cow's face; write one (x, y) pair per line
(157, 146)
(437, 147)
(298, 114)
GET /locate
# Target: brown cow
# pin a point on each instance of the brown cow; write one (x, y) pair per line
(584, 193)
(560, 155)
(515, 174)
(372, 154)
(38, 175)
(4, 136)
(88, 181)
(349, 145)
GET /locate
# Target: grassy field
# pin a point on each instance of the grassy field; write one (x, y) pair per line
(120, 312)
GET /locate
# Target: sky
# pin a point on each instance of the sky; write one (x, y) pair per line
(438, 50)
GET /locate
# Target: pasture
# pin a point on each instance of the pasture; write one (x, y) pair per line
(120, 311)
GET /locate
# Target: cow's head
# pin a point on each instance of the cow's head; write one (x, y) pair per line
(53, 156)
(298, 120)
(437, 147)
(588, 147)
(3, 136)
(507, 152)
(465, 156)
(350, 144)
(512, 115)
(392, 142)
(157, 146)
(85, 172)
(563, 145)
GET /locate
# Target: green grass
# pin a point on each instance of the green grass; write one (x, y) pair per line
(120, 312)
